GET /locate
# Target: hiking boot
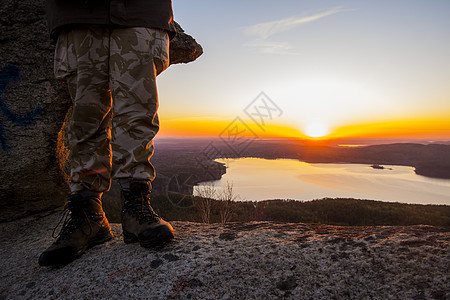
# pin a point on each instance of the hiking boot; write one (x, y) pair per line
(139, 221)
(84, 226)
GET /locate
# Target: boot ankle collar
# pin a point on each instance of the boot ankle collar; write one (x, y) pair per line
(88, 194)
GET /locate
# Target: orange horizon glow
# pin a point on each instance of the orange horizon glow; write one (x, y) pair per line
(210, 128)
(419, 128)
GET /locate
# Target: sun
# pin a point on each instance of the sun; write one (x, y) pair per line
(316, 130)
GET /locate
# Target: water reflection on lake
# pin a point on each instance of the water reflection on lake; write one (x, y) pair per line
(260, 179)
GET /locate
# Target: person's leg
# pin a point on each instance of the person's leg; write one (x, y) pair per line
(133, 88)
(81, 59)
(137, 56)
(89, 133)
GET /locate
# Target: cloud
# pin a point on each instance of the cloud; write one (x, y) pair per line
(262, 31)
(267, 29)
(272, 47)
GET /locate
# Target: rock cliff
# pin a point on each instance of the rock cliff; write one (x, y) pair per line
(257, 260)
(33, 108)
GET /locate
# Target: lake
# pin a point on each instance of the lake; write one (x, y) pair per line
(260, 179)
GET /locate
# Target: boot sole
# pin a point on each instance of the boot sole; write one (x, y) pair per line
(100, 238)
(162, 239)
(129, 237)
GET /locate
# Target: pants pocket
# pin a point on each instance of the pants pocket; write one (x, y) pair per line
(160, 65)
(65, 61)
(160, 50)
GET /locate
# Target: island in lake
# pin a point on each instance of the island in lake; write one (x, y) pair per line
(379, 167)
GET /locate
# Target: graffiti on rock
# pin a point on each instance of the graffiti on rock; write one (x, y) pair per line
(9, 74)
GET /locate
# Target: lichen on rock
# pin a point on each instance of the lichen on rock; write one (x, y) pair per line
(256, 260)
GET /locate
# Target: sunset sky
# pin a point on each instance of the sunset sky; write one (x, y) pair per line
(332, 68)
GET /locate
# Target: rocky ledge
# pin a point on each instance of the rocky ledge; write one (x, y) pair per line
(257, 260)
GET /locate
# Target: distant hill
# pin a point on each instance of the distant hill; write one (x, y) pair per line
(431, 160)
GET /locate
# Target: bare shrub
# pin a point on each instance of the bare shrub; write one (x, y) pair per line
(226, 198)
(205, 194)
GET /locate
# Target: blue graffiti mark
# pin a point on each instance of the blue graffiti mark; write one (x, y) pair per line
(10, 74)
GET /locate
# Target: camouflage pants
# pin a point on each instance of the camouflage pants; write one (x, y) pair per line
(111, 76)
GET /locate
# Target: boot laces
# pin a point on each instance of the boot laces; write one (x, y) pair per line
(138, 204)
(73, 217)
